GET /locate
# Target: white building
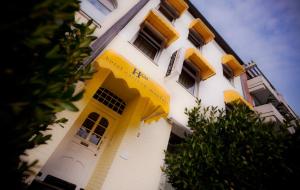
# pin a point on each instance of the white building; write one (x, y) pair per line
(154, 58)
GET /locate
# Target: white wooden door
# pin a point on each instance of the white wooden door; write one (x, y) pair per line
(76, 161)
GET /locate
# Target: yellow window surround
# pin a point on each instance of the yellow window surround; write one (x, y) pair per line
(179, 5)
(206, 70)
(199, 26)
(232, 95)
(163, 26)
(121, 68)
(231, 61)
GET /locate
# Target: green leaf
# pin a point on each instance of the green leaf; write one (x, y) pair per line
(78, 96)
(69, 106)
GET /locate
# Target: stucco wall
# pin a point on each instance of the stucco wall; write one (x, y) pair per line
(210, 90)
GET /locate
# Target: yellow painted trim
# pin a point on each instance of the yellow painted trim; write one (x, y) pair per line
(134, 78)
(232, 95)
(233, 63)
(163, 26)
(179, 5)
(203, 30)
(206, 70)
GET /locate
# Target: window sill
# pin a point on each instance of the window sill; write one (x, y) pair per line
(153, 61)
(186, 89)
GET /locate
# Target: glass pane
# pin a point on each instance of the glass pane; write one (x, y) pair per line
(94, 116)
(95, 139)
(187, 81)
(109, 99)
(88, 123)
(99, 6)
(145, 47)
(83, 132)
(99, 130)
(103, 122)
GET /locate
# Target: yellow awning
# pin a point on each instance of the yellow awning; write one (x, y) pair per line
(158, 104)
(206, 70)
(231, 61)
(202, 30)
(232, 95)
(179, 5)
(163, 26)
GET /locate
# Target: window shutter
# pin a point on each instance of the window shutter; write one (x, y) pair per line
(176, 62)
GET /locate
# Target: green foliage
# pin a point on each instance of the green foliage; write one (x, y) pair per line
(236, 150)
(44, 49)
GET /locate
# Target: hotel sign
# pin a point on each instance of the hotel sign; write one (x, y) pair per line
(123, 69)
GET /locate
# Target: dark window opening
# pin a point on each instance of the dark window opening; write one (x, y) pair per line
(148, 42)
(228, 73)
(188, 77)
(110, 100)
(195, 38)
(168, 11)
(228, 108)
(57, 182)
(173, 141)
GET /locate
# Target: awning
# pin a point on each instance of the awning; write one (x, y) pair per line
(232, 95)
(158, 104)
(231, 61)
(179, 5)
(163, 26)
(202, 30)
(206, 70)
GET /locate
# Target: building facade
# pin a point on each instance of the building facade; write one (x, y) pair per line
(153, 59)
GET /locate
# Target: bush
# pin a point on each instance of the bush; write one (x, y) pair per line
(43, 49)
(236, 150)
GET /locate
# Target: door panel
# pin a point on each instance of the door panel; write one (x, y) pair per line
(74, 163)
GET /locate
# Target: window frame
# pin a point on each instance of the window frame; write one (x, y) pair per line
(228, 73)
(169, 10)
(194, 76)
(150, 40)
(90, 132)
(195, 38)
(91, 16)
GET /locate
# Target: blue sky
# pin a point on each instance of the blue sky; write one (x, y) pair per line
(265, 31)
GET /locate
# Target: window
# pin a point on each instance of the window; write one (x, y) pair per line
(173, 141)
(97, 9)
(195, 38)
(228, 73)
(171, 64)
(228, 108)
(100, 6)
(149, 42)
(188, 77)
(93, 128)
(110, 100)
(168, 11)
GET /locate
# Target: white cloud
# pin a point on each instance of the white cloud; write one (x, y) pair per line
(263, 31)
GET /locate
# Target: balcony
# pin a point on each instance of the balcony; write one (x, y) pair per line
(260, 88)
(264, 94)
(269, 112)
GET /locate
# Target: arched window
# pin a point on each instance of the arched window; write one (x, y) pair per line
(98, 9)
(93, 128)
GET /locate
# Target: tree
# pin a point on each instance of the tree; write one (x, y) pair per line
(43, 49)
(236, 150)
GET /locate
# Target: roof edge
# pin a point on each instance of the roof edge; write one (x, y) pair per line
(218, 38)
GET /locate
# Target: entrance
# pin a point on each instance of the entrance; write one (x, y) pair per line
(73, 165)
